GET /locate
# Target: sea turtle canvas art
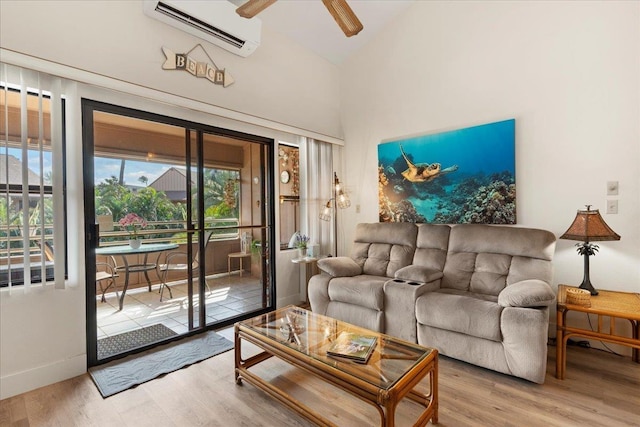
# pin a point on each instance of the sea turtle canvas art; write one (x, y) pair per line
(459, 176)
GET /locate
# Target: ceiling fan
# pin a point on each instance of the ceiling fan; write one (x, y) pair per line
(339, 9)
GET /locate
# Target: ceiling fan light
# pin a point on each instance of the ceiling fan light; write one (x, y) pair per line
(253, 7)
(344, 16)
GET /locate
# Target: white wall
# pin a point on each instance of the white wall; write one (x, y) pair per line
(568, 72)
(281, 81)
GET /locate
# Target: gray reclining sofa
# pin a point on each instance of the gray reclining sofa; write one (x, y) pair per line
(477, 293)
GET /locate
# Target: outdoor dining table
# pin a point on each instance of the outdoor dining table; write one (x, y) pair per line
(145, 266)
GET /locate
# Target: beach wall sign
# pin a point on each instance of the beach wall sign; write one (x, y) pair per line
(207, 70)
(453, 177)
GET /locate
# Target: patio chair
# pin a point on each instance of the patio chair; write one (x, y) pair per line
(108, 275)
(172, 264)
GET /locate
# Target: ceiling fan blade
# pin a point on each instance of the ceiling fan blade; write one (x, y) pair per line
(344, 16)
(253, 7)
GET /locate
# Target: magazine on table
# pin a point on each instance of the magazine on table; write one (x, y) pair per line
(350, 345)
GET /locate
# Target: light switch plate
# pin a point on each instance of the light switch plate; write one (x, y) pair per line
(612, 206)
(612, 188)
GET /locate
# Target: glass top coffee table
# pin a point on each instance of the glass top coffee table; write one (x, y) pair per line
(301, 338)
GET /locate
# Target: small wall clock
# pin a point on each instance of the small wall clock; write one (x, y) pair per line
(285, 177)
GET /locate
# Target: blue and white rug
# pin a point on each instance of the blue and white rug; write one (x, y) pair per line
(122, 374)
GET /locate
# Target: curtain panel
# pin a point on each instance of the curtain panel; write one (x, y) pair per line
(319, 191)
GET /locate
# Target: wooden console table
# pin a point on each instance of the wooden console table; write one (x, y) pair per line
(611, 304)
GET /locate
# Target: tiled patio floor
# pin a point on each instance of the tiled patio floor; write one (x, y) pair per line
(229, 297)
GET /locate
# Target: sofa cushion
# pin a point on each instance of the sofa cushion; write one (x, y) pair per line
(364, 290)
(490, 275)
(462, 312)
(339, 266)
(418, 273)
(485, 259)
(514, 241)
(381, 249)
(431, 246)
(523, 268)
(528, 293)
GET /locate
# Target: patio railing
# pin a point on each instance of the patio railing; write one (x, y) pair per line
(171, 232)
(12, 251)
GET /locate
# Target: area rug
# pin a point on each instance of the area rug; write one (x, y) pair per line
(122, 374)
(126, 341)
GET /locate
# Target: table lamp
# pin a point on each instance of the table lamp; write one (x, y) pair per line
(589, 226)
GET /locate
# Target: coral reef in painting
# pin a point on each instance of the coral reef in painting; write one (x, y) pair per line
(476, 186)
(401, 211)
(494, 203)
(476, 200)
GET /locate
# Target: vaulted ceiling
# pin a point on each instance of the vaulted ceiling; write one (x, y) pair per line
(309, 23)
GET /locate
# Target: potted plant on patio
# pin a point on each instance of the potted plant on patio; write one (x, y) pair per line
(132, 222)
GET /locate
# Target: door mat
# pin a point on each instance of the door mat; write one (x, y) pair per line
(122, 374)
(124, 342)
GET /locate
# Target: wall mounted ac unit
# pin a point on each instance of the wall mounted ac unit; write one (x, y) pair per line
(212, 21)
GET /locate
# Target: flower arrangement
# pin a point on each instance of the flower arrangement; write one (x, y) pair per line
(301, 241)
(132, 222)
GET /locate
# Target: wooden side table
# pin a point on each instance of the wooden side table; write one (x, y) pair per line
(241, 256)
(308, 268)
(611, 304)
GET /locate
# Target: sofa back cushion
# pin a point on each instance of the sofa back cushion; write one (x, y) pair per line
(485, 258)
(431, 246)
(382, 248)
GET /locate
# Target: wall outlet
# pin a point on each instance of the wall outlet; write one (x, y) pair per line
(357, 208)
(612, 206)
(612, 188)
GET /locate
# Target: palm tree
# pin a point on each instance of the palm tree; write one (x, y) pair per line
(218, 188)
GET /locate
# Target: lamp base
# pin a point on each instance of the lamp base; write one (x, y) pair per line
(586, 284)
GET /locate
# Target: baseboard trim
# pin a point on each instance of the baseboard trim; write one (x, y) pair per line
(21, 382)
(290, 300)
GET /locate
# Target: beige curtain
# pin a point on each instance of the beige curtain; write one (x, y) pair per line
(319, 160)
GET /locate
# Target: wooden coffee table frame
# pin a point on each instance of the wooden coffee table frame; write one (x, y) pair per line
(385, 401)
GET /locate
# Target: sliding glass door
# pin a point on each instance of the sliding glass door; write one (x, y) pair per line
(179, 228)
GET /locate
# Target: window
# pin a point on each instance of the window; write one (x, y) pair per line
(289, 177)
(157, 192)
(32, 239)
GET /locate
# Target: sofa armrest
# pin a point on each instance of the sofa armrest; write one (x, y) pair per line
(527, 293)
(339, 266)
(418, 273)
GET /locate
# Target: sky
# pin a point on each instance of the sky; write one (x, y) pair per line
(105, 168)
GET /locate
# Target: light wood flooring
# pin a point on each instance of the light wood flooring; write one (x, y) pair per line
(600, 389)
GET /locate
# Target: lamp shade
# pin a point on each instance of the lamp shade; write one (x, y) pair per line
(588, 226)
(325, 215)
(342, 200)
